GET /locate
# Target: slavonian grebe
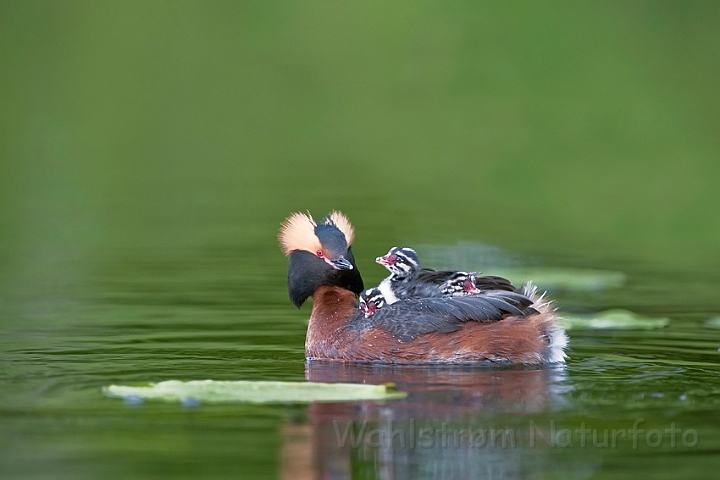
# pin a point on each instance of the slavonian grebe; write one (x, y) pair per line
(497, 326)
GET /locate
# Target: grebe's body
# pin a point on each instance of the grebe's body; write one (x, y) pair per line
(497, 325)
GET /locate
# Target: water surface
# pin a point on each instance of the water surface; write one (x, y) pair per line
(150, 321)
(150, 150)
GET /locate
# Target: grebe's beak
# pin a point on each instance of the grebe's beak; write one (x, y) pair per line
(341, 264)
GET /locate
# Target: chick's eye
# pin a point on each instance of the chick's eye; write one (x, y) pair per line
(319, 253)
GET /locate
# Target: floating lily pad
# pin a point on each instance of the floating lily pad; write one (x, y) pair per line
(212, 391)
(713, 322)
(612, 319)
(567, 279)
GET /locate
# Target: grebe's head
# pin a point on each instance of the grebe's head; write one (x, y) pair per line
(328, 239)
(319, 253)
(371, 300)
(401, 262)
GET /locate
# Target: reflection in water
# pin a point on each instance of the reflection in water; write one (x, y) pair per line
(456, 422)
(438, 390)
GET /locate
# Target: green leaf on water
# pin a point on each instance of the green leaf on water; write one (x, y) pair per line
(612, 319)
(713, 322)
(212, 391)
(563, 279)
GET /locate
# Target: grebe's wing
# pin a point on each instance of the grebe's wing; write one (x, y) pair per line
(409, 318)
(437, 277)
(492, 282)
(482, 282)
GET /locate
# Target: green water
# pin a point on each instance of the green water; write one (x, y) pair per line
(149, 151)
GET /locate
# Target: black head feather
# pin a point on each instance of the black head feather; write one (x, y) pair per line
(307, 272)
(332, 240)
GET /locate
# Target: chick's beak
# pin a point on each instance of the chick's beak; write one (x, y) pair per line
(469, 286)
(386, 260)
(368, 309)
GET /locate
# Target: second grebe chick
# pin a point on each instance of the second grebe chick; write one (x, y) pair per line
(459, 284)
(370, 301)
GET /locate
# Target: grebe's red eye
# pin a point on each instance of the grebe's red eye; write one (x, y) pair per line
(319, 253)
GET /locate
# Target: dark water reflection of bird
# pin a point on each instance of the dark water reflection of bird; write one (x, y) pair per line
(455, 422)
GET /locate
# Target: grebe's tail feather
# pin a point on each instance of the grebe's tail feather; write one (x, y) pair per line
(557, 338)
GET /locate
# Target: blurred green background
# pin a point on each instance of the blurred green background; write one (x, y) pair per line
(549, 127)
(150, 149)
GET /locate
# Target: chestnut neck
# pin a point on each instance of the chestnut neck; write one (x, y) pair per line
(332, 308)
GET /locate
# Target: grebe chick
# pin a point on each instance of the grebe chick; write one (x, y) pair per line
(459, 284)
(370, 301)
(455, 278)
(403, 282)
